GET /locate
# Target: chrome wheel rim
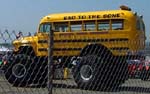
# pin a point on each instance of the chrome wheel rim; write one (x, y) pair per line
(86, 72)
(19, 70)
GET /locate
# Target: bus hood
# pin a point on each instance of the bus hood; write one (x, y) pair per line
(25, 40)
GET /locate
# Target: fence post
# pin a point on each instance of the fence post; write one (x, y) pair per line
(50, 62)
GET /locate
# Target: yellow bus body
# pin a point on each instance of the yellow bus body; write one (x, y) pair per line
(118, 41)
(130, 39)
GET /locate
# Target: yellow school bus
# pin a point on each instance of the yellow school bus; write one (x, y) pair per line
(114, 29)
(97, 42)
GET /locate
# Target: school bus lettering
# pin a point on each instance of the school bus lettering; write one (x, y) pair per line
(111, 15)
(92, 16)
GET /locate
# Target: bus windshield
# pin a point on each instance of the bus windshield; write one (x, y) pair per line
(45, 27)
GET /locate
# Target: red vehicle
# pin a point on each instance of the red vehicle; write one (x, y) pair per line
(137, 68)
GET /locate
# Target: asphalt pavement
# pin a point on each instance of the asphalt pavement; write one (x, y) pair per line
(68, 86)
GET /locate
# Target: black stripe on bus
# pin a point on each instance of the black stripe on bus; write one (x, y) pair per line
(42, 41)
(67, 49)
(119, 48)
(87, 40)
(93, 40)
(119, 39)
(78, 49)
(42, 49)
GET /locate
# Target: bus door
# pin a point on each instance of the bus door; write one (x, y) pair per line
(43, 36)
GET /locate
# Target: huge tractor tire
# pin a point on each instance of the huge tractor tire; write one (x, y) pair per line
(40, 71)
(97, 73)
(24, 70)
(19, 70)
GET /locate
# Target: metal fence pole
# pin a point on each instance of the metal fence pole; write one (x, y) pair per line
(50, 62)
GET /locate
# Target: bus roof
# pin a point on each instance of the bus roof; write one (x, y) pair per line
(93, 15)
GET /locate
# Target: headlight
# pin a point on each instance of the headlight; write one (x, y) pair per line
(24, 41)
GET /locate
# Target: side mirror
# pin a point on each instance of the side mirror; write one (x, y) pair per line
(35, 33)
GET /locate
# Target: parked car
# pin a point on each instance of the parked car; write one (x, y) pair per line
(4, 51)
(145, 73)
(138, 68)
(134, 68)
(1, 57)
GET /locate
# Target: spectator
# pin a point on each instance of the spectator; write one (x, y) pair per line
(19, 35)
(29, 34)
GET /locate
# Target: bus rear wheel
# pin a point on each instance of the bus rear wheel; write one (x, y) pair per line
(96, 73)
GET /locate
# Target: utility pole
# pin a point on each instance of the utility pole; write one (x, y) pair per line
(50, 62)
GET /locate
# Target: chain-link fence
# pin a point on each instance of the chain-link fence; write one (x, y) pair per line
(73, 65)
(16, 69)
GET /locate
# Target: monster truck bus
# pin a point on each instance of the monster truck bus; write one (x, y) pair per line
(94, 44)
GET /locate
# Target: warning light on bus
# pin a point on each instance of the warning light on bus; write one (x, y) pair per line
(123, 7)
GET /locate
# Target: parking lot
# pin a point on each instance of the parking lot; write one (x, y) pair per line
(131, 86)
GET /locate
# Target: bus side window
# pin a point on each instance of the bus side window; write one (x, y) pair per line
(61, 27)
(140, 25)
(76, 26)
(45, 28)
(143, 26)
(117, 24)
(103, 25)
(89, 25)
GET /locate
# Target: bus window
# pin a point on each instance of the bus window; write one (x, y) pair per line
(138, 25)
(143, 26)
(45, 27)
(61, 27)
(117, 24)
(103, 25)
(76, 26)
(89, 26)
